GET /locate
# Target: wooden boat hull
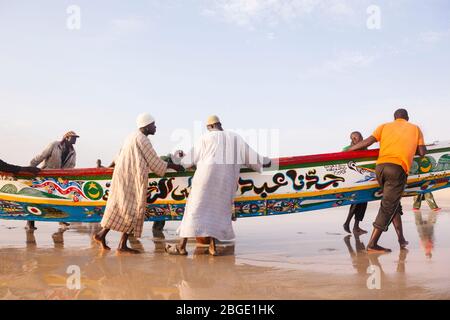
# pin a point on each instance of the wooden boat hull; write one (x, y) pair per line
(298, 184)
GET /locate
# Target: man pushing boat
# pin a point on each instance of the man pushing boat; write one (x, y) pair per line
(57, 155)
(126, 206)
(356, 210)
(399, 142)
(218, 156)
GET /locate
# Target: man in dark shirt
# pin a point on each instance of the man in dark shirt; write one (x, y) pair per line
(356, 210)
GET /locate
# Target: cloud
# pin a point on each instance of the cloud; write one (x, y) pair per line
(208, 12)
(343, 62)
(341, 8)
(128, 25)
(433, 36)
(252, 12)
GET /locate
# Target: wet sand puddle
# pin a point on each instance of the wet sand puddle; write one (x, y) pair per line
(300, 256)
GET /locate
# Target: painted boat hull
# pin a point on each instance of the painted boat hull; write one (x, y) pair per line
(298, 184)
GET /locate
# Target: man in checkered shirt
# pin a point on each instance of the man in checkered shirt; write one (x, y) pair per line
(126, 206)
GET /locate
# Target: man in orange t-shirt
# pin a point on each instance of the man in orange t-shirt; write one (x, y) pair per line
(399, 142)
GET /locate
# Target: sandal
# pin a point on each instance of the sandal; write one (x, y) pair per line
(174, 250)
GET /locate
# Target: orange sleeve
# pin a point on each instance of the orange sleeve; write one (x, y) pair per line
(421, 141)
(377, 133)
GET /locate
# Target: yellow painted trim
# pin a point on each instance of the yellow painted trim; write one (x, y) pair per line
(61, 202)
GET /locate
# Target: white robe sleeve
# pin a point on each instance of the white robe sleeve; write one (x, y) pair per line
(192, 157)
(251, 158)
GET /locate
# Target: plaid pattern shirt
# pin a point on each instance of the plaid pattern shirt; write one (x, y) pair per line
(126, 206)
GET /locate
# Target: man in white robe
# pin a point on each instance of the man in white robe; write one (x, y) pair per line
(219, 156)
(126, 206)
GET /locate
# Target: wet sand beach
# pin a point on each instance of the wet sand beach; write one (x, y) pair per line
(298, 256)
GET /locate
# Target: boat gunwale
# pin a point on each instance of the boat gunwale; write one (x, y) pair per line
(283, 163)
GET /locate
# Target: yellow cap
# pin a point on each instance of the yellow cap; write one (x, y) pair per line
(212, 120)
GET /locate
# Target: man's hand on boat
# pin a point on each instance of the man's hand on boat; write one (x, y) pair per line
(177, 156)
(30, 170)
(175, 167)
(267, 162)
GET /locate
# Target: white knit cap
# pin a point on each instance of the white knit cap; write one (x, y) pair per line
(144, 120)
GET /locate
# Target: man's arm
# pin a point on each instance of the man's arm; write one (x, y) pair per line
(155, 164)
(6, 167)
(363, 144)
(190, 159)
(421, 151)
(41, 157)
(253, 160)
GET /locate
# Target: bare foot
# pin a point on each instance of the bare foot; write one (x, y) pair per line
(377, 249)
(30, 226)
(212, 252)
(347, 227)
(128, 250)
(359, 231)
(403, 244)
(64, 225)
(58, 237)
(101, 241)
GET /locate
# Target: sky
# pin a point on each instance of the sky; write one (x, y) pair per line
(303, 73)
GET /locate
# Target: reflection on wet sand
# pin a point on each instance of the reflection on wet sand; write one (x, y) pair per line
(305, 259)
(361, 259)
(425, 228)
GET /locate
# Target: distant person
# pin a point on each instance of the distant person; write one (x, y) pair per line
(10, 168)
(356, 210)
(399, 142)
(429, 198)
(127, 203)
(158, 227)
(425, 228)
(57, 155)
(99, 164)
(218, 156)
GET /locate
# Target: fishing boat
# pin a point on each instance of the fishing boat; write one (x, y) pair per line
(291, 185)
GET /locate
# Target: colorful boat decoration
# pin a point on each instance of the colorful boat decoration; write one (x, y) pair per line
(298, 184)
